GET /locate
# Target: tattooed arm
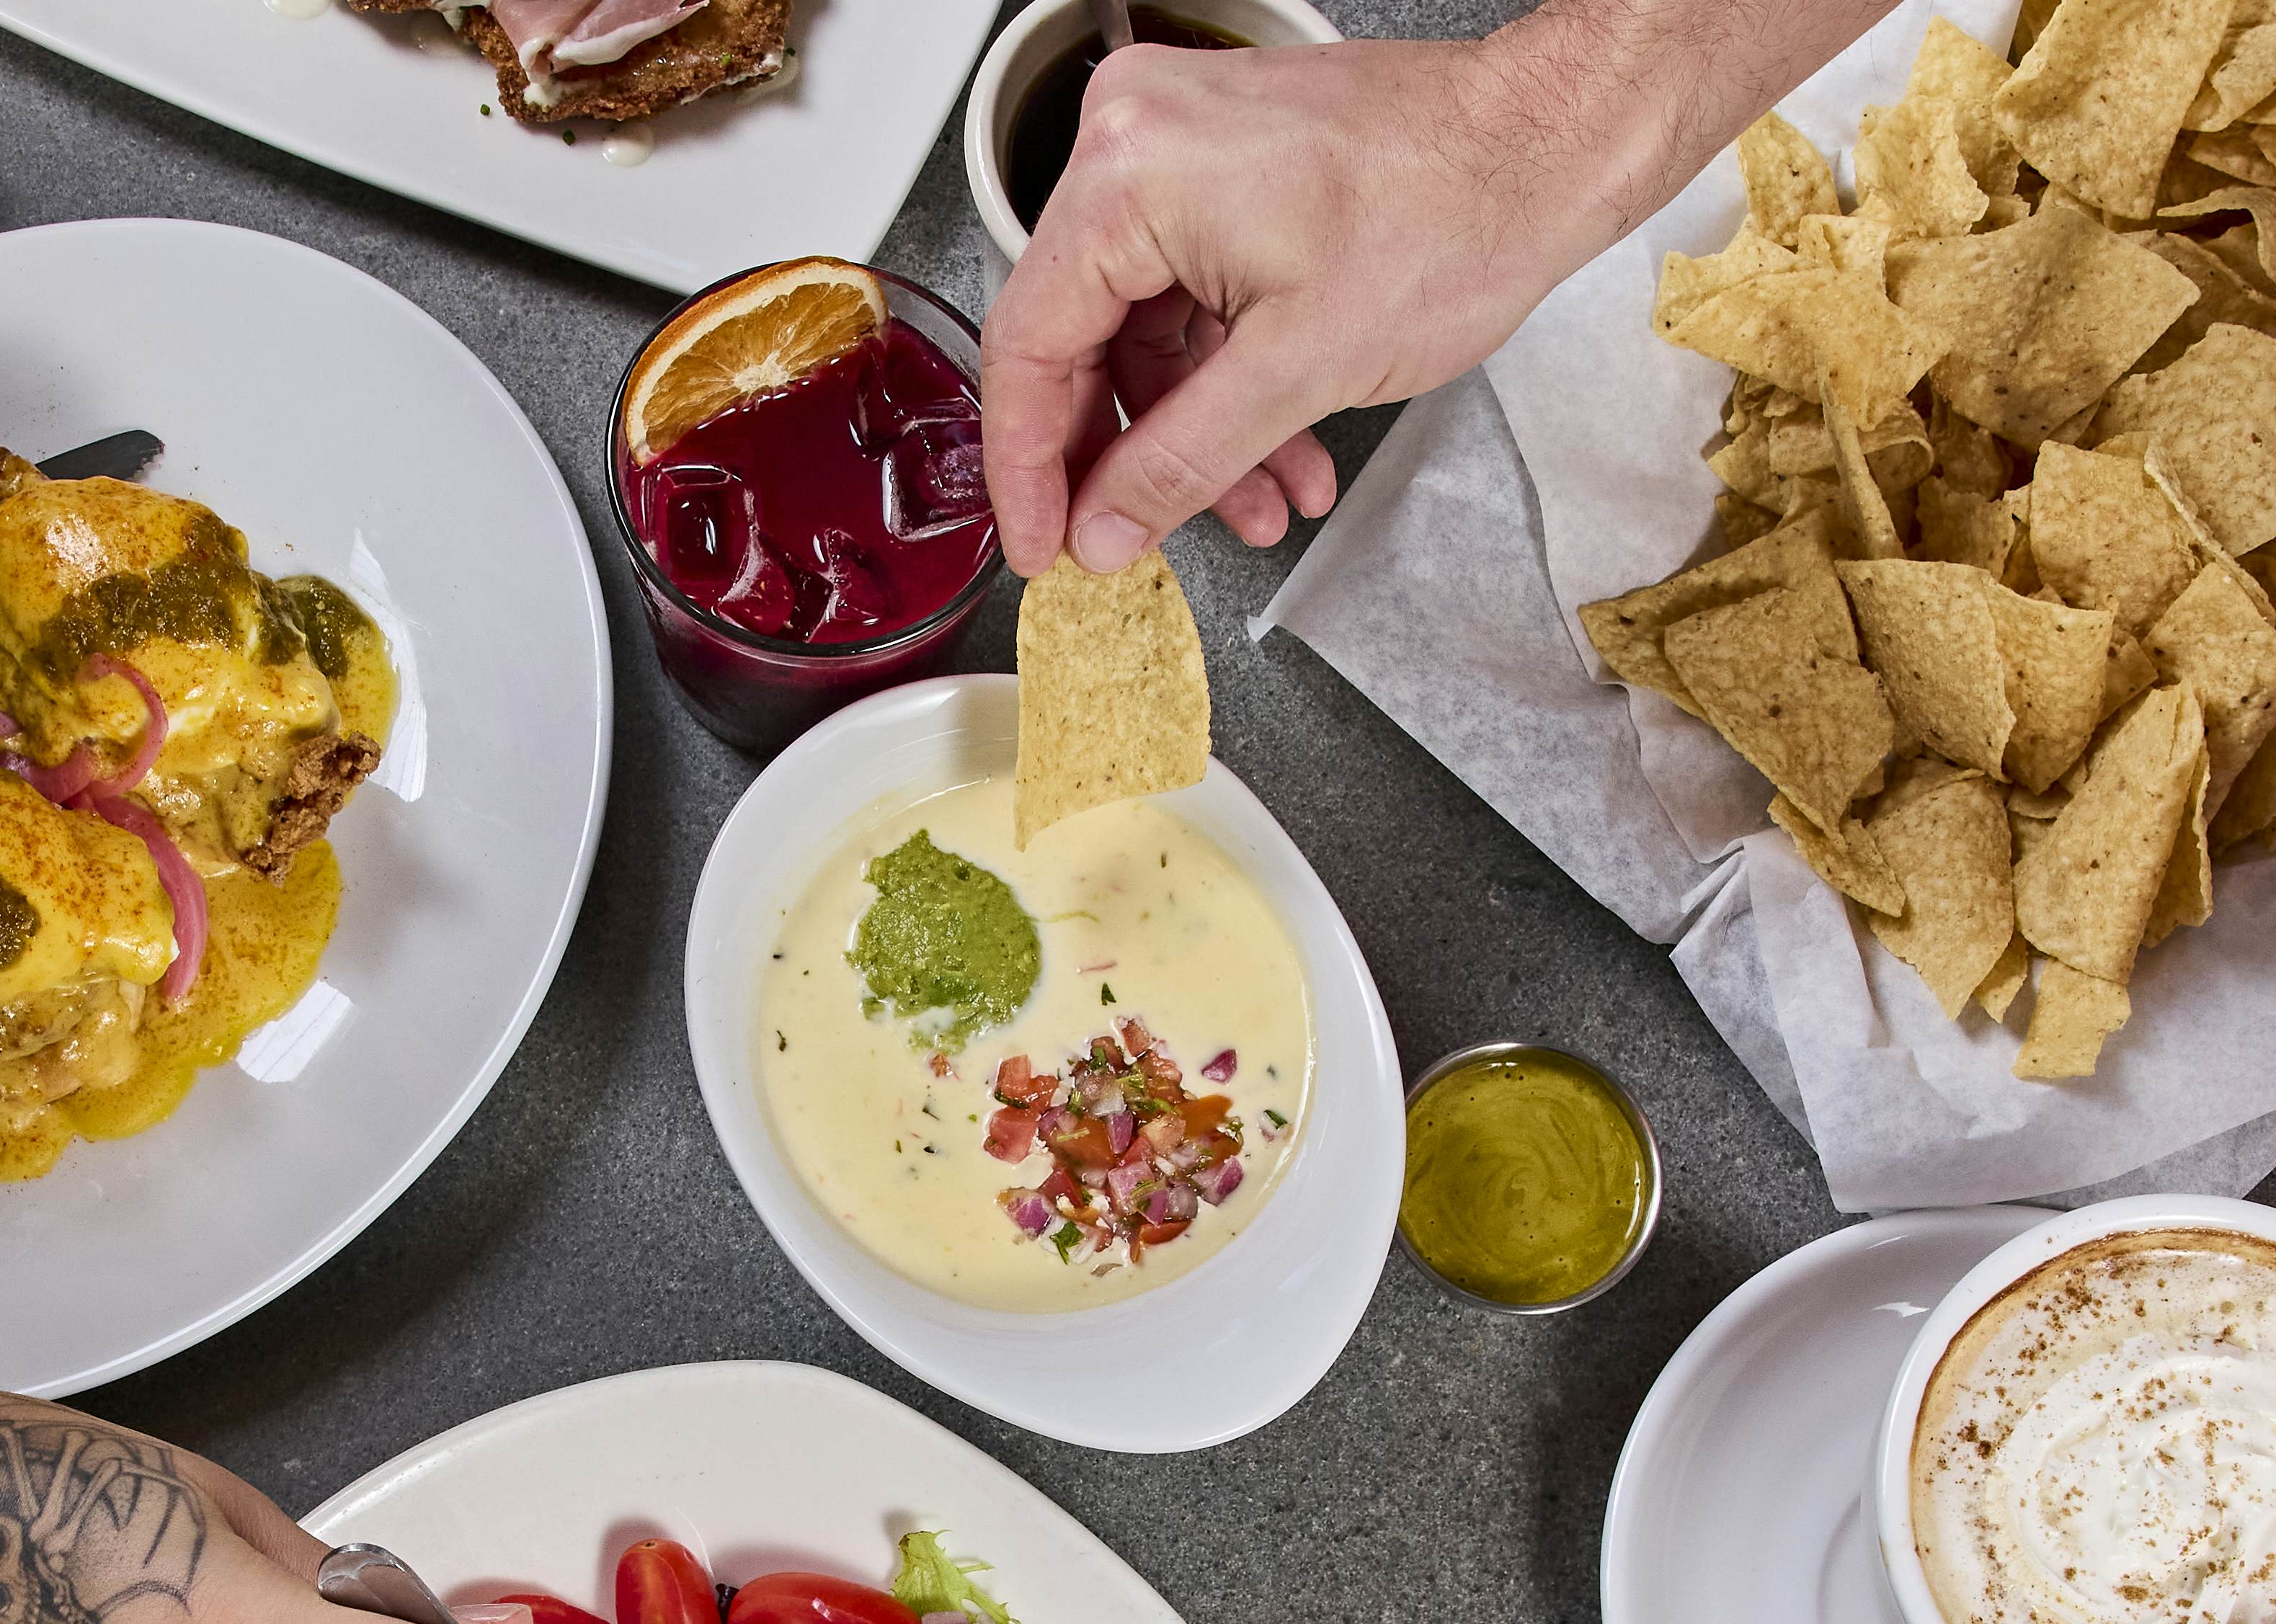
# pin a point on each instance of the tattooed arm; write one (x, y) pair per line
(101, 1525)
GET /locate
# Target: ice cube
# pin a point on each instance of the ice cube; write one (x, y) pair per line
(877, 420)
(763, 594)
(857, 596)
(710, 519)
(934, 481)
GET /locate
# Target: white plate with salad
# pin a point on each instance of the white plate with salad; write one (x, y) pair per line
(703, 1455)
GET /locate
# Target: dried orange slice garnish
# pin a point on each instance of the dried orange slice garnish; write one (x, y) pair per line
(750, 337)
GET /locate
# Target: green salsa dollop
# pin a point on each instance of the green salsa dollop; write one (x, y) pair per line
(1525, 1182)
(945, 946)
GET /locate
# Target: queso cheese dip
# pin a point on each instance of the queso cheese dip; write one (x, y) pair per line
(1138, 916)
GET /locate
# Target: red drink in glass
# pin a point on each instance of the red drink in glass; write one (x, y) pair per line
(819, 541)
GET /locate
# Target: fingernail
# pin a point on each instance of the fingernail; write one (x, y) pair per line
(490, 1613)
(1106, 542)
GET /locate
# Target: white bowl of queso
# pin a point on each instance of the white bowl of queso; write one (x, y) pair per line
(1193, 912)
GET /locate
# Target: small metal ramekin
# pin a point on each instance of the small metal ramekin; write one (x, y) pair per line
(1508, 1051)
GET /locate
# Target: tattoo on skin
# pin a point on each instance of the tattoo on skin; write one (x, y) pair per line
(95, 1524)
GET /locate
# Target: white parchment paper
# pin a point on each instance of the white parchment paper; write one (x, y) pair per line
(1568, 469)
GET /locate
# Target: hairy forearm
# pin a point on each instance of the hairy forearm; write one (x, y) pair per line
(1615, 105)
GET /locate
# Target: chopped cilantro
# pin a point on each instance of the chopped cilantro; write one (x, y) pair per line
(1105, 993)
(1066, 1237)
(1274, 1118)
(568, 138)
(486, 113)
(781, 1042)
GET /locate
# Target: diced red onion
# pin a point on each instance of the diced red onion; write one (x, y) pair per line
(1099, 1093)
(1165, 1132)
(1185, 1156)
(1121, 1128)
(1092, 1178)
(153, 730)
(186, 891)
(1124, 1183)
(1214, 1184)
(1027, 1208)
(1173, 1203)
(1057, 1124)
(1220, 1068)
(9, 728)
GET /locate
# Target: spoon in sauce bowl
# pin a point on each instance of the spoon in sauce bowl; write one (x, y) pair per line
(1113, 19)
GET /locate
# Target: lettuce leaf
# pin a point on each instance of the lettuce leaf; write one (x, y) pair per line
(931, 1581)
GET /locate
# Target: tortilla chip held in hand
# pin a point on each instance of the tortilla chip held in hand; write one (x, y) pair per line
(1114, 696)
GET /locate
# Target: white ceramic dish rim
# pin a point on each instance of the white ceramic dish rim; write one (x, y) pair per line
(739, 1381)
(1889, 1488)
(1671, 1387)
(1329, 1225)
(485, 1074)
(985, 111)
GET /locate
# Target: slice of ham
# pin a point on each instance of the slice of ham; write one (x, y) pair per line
(536, 27)
(614, 27)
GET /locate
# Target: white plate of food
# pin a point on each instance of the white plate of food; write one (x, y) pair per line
(347, 436)
(1739, 1493)
(756, 1467)
(1195, 1040)
(814, 160)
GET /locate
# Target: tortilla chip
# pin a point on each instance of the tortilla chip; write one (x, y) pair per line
(2243, 75)
(2005, 977)
(1929, 634)
(1911, 778)
(1114, 696)
(1949, 849)
(1954, 67)
(1813, 723)
(1862, 501)
(1958, 527)
(2042, 318)
(2239, 248)
(2096, 105)
(2105, 538)
(2233, 154)
(1685, 283)
(2251, 804)
(1786, 176)
(2072, 1017)
(1911, 172)
(1627, 631)
(1744, 467)
(2258, 201)
(1783, 325)
(2185, 895)
(1843, 243)
(2217, 642)
(2128, 673)
(2055, 658)
(2042, 807)
(1741, 521)
(2084, 896)
(2214, 414)
(1850, 862)
(1970, 457)
(2222, 296)
(1896, 447)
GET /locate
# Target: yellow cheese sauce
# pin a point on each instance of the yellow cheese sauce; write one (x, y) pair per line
(1131, 903)
(1525, 1182)
(261, 956)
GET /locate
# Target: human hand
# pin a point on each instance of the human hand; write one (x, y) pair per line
(101, 1525)
(1247, 240)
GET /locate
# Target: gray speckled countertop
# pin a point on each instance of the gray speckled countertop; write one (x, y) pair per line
(1450, 1466)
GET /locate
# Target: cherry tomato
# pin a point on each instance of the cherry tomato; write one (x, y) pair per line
(813, 1598)
(660, 1582)
(552, 1610)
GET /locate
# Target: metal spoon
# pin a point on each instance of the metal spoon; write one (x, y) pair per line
(372, 1579)
(1113, 19)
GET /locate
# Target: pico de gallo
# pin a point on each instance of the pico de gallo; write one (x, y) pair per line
(661, 1582)
(1133, 1155)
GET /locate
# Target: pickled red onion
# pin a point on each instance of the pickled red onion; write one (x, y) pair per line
(153, 732)
(61, 783)
(183, 888)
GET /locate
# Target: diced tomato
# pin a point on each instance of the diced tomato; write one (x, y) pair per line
(1164, 1133)
(1162, 1075)
(1085, 1146)
(1154, 1234)
(1135, 1037)
(660, 1582)
(1059, 1186)
(1019, 1083)
(1011, 1133)
(940, 1066)
(1204, 1114)
(814, 1598)
(552, 1610)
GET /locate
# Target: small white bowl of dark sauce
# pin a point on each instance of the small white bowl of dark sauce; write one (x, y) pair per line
(1040, 40)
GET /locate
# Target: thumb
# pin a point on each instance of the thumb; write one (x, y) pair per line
(1189, 447)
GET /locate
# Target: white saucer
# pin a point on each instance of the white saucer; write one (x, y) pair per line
(1737, 1496)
